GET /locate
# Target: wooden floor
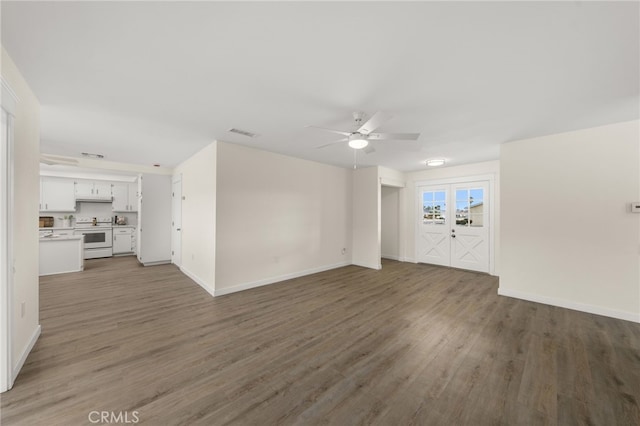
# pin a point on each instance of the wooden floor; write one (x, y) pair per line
(411, 344)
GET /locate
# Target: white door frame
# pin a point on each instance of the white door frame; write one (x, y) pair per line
(176, 258)
(491, 178)
(9, 101)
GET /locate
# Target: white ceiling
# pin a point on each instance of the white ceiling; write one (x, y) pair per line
(152, 82)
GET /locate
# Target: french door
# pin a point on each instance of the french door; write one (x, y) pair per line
(453, 225)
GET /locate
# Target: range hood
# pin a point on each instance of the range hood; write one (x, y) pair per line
(94, 199)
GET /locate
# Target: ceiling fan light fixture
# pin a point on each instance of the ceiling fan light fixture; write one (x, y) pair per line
(435, 162)
(358, 142)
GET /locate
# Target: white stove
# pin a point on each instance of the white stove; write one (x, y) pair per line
(93, 222)
(98, 236)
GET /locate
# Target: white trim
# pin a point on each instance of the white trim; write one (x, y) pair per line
(376, 266)
(462, 179)
(157, 262)
(391, 256)
(394, 183)
(576, 306)
(175, 179)
(197, 280)
(9, 97)
(6, 253)
(26, 352)
(267, 281)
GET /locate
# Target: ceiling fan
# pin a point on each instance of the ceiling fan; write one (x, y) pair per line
(359, 138)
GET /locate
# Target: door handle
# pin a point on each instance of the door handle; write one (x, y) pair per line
(177, 229)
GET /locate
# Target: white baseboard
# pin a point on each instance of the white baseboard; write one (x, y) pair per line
(376, 266)
(408, 259)
(157, 262)
(391, 256)
(26, 352)
(198, 280)
(267, 281)
(576, 306)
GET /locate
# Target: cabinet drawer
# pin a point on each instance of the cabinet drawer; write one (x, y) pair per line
(124, 231)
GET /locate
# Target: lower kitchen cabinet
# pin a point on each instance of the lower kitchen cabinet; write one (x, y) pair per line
(124, 240)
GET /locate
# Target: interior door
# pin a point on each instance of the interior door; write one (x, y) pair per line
(469, 230)
(176, 222)
(453, 225)
(434, 241)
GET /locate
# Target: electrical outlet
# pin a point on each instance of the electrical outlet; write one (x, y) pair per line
(22, 309)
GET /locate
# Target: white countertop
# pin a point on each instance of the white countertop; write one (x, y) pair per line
(124, 226)
(62, 237)
(55, 227)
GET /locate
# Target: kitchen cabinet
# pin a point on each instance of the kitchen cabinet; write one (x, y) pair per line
(125, 197)
(57, 195)
(92, 189)
(133, 197)
(61, 254)
(120, 192)
(123, 240)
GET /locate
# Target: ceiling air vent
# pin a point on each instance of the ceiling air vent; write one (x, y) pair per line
(243, 132)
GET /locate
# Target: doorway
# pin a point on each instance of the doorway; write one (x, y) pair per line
(176, 221)
(390, 222)
(453, 225)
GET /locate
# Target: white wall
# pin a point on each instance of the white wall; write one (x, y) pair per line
(568, 236)
(277, 217)
(390, 222)
(199, 216)
(366, 218)
(26, 189)
(443, 173)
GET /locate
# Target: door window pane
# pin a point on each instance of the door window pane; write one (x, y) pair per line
(434, 207)
(476, 220)
(476, 196)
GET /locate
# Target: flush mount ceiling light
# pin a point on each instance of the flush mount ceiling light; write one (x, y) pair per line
(435, 162)
(358, 141)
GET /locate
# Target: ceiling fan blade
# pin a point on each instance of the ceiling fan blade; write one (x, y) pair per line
(332, 143)
(394, 136)
(369, 149)
(331, 130)
(374, 122)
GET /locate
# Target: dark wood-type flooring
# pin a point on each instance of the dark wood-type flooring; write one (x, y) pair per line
(411, 344)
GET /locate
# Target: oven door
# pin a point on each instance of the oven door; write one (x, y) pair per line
(96, 238)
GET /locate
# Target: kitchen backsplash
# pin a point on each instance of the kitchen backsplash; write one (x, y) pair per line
(88, 209)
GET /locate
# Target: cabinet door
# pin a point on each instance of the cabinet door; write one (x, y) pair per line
(58, 195)
(120, 197)
(102, 188)
(84, 188)
(121, 243)
(133, 197)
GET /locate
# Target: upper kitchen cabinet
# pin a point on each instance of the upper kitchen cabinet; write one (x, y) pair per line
(125, 197)
(133, 197)
(57, 195)
(92, 190)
